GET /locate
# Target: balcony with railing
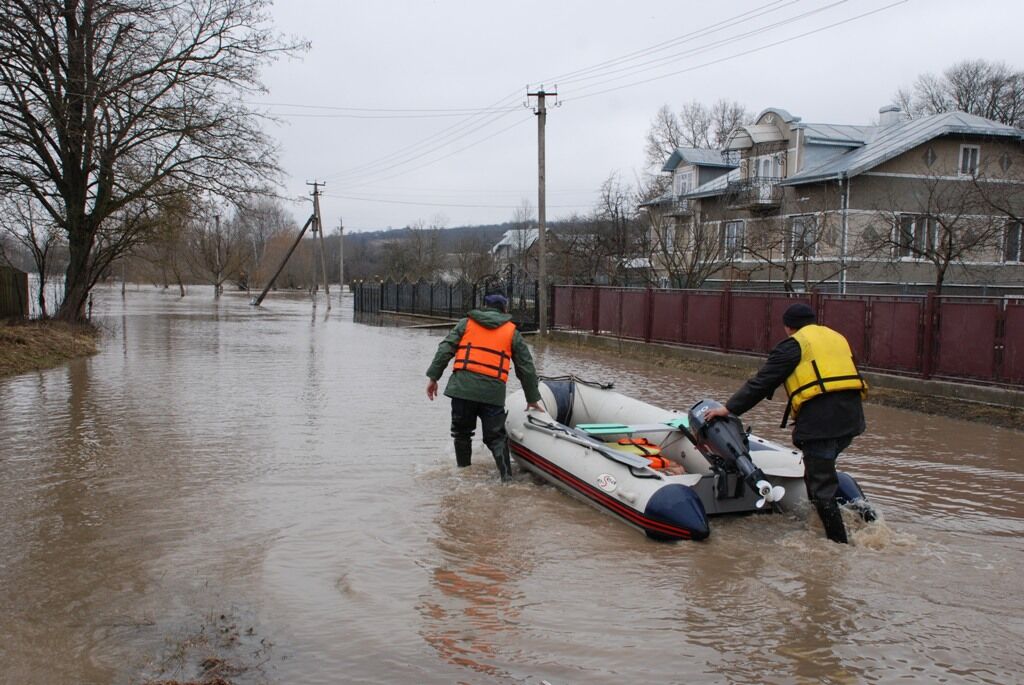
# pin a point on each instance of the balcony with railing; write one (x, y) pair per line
(758, 193)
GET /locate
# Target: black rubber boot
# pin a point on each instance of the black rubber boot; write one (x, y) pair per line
(832, 519)
(463, 452)
(497, 441)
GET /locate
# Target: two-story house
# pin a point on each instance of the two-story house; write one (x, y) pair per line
(922, 201)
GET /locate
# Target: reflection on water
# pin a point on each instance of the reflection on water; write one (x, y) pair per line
(216, 459)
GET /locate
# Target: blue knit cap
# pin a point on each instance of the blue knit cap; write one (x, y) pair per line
(496, 300)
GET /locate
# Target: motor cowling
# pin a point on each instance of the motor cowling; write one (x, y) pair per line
(724, 437)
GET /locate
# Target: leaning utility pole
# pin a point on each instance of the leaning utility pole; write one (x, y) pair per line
(542, 276)
(313, 220)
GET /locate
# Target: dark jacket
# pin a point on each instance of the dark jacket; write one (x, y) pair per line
(467, 385)
(832, 415)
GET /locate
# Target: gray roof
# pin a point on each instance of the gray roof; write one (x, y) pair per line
(697, 157)
(834, 134)
(893, 140)
(517, 239)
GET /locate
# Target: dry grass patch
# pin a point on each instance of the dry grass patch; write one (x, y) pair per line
(33, 345)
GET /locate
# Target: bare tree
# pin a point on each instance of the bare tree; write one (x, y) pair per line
(992, 90)
(109, 106)
(689, 253)
(941, 222)
(216, 248)
(259, 219)
(29, 227)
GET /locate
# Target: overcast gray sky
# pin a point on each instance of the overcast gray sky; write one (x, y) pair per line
(415, 110)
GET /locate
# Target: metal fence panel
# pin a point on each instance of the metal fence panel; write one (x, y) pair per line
(849, 317)
(894, 338)
(748, 324)
(609, 317)
(967, 339)
(634, 313)
(1013, 344)
(667, 316)
(704, 319)
(565, 307)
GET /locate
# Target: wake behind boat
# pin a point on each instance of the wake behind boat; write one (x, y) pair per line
(661, 471)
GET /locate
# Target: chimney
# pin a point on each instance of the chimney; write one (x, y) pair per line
(889, 115)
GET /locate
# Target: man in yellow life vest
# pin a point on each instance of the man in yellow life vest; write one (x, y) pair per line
(484, 345)
(816, 366)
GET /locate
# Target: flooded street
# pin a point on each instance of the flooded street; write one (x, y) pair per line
(278, 476)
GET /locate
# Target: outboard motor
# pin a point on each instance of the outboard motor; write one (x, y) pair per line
(725, 437)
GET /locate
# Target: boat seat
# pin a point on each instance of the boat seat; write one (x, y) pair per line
(625, 429)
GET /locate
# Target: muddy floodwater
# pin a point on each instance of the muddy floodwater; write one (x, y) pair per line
(270, 488)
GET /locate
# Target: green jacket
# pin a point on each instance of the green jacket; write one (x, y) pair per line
(467, 385)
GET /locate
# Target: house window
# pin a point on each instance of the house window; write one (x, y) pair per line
(1012, 242)
(732, 240)
(803, 236)
(969, 155)
(916, 236)
(683, 182)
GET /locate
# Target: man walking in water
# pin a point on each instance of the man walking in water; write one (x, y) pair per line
(825, 390)
(483, 345)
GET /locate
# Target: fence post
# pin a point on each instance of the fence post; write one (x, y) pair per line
(928, 347)
(551, 299)
(649, 315)
(723, 325)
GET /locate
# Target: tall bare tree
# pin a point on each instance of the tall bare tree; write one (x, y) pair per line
(109, 106)
(992, 90)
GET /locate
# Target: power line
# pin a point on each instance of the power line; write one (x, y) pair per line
(453, 132)
(449, 132)
(739, 54)
(705, 30)
(655, 63)
(437, 204)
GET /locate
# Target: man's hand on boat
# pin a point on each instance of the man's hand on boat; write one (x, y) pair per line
(715, 413)
(535, 406)
(431, 388)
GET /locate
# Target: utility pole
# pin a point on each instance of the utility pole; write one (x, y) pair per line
(542, 276)
(216, 258)
(319, 227)
(341, 261)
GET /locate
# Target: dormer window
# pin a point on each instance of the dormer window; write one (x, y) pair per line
(969, 155)
(683, 182)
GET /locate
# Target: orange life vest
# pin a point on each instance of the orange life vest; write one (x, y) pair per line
(486, 351)
(647, 449)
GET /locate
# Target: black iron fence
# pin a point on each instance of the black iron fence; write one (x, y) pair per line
(444, 299)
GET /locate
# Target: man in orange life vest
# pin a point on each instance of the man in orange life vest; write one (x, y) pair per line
(816, 366)
(484, 344)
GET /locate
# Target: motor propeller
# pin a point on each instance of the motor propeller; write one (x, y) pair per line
(769, 493)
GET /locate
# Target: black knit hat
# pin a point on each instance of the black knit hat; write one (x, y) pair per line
(798, 315)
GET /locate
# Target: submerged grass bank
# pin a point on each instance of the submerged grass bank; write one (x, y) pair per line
(35, 345)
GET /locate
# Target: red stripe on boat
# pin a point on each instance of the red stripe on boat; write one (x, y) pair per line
(598, 495)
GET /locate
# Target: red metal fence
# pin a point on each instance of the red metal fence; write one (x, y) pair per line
(958, 338)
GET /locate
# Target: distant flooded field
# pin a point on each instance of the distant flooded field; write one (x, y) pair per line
(270, 488)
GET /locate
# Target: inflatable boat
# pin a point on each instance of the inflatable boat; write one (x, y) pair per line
(662, 471)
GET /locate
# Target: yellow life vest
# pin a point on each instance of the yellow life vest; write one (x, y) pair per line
(826, 365)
